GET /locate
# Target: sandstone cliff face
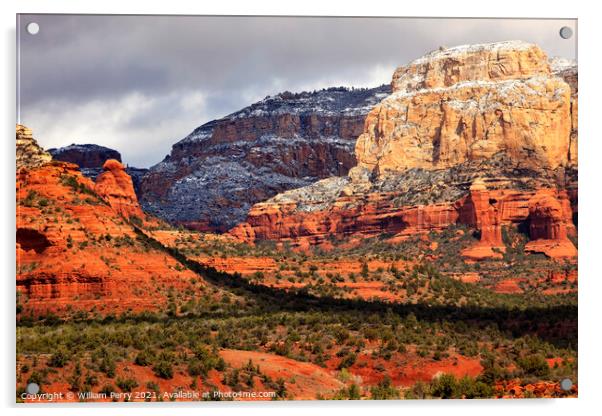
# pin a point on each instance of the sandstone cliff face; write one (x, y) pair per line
(469, 103)
(483, 62)
(470, 135)
(485, 214)
(550, 225)
(213, 176)
(29, 153)
(115, 186)
(315, 219)
(567, 70)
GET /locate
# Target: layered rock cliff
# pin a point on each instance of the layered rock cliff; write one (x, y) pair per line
(469, 135)
(567, 70)
(469, 103)
(214, 175)
(29, 154)
(75, 250)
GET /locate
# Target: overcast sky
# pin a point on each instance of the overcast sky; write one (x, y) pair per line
(139, 84)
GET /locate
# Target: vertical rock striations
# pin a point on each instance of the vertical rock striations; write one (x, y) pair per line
(487, 219)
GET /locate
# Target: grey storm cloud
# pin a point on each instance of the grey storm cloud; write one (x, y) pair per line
(140, 83)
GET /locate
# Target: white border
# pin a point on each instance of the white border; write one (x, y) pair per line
(590, 154)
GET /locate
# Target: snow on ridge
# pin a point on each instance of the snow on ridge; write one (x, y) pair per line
(445, 52)
(502, 85)
(329, 101)
(334, 101)
(559, 64)
(80, 147)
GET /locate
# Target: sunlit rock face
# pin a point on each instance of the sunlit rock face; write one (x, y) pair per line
(75, 249)
(469, 103)
(116, 187)
(28, 153)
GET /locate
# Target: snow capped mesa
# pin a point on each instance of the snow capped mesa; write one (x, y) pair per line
(332, 101)
(469, 103)
(85, 155)
(215, 174)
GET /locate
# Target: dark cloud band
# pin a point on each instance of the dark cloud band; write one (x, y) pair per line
(76, 62)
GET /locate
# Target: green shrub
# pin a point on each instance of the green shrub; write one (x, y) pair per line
(347, 361)
(163, 369)
(144, 358)
(127, 384)
(444, 386)
(384, 390)
(59, 359)
(535, 365)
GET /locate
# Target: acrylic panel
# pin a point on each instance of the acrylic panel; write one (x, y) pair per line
(295, 208)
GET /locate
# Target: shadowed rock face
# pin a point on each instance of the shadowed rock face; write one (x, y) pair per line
(86, 156)
(473, 135)
(550, 225)
(30, 239)
(213, 176)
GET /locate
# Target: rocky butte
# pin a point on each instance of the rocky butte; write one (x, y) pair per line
(86, 156)
(76, 250)
(214, 175)
(116, 187)
(483, 135)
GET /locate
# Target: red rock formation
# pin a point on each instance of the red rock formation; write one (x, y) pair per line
(542, 389)
(550, 224)
(377, 216)
(452, 117)
(116, 187)
(76, 253)
(487, 219)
